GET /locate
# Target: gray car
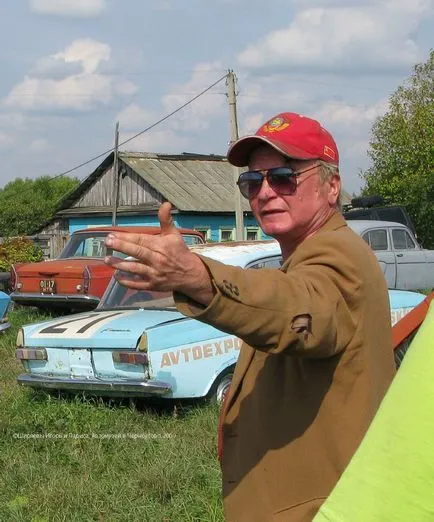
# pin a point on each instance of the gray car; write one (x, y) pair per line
(406, 265)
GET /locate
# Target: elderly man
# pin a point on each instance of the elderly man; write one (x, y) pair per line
(316, 358)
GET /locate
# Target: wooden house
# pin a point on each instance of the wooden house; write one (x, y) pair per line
(200, 188)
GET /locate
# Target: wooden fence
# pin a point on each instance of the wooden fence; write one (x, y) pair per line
(50, 244)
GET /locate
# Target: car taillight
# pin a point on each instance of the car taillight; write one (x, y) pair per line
(130, 357)
(86, 280)
(31, 354)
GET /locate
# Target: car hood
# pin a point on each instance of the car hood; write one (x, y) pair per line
(66, 267)
(98, 329)
(404, 298)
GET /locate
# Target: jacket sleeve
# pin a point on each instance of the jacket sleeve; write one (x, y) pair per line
(297, 311)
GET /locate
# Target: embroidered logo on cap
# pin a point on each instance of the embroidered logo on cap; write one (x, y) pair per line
(275, 125)
(330, 153)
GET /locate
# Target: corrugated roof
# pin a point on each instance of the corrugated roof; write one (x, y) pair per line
(190, 182)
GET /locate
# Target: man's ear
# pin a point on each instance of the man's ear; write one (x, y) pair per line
(334, 189)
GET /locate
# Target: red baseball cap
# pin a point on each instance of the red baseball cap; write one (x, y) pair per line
(292, 135)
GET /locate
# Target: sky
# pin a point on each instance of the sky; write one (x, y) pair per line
(71, 69)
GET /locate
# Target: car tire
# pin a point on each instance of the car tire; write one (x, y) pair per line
(221, 385)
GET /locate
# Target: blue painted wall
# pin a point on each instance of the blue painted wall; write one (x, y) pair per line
(215, 224)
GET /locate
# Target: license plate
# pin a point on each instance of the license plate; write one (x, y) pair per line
(47, 286)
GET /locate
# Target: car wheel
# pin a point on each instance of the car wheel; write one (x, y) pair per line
(221, 385)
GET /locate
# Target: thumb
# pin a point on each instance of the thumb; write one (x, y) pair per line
(165, 218)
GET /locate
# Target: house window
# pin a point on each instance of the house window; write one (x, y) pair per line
(252, 233)
(226, 234)
(206, 231)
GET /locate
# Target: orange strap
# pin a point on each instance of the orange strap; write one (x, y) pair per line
(411, 321)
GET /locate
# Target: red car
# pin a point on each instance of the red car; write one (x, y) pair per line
(77, 279)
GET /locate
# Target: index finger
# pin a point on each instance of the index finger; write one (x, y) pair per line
(135, 245)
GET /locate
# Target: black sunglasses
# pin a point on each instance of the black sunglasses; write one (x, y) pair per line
(283, 180)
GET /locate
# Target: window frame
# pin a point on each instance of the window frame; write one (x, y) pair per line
(254, 229)
(265, 259)
(373, 230)
(407, 237)
(226, 229)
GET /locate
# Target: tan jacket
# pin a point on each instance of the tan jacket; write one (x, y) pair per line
(314, 366)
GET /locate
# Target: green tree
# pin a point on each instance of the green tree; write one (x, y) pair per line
(402, 150)
(26, 204)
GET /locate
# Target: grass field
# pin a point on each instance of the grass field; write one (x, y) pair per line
(77, 459)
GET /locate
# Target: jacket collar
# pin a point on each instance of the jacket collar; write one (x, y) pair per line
(335, 221)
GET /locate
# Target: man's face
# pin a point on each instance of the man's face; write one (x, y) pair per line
(291, 219)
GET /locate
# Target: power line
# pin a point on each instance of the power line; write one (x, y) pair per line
(108, 151)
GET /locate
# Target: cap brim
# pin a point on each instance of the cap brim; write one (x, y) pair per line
(239, 152)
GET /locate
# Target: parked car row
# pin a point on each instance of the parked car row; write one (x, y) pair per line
(136, 344)
(77, 279)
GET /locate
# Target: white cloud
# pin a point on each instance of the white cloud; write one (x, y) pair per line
(357, 148)
(350, 116)
(79, 91)
(6, 140)
(125, 88)
(163, 140)
(199, 114)
(73, 8)
(39, 146)
(252, 123)
(344, 38)
(177, 132)
(87, 52)
(12, 120)
(135, 118)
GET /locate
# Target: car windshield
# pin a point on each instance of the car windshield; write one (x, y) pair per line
(118, 296)
(92, 245)
(86, 245)
(192, 240)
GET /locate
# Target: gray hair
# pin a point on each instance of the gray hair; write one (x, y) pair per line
(327, 171)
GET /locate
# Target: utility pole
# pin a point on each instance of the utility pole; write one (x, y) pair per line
(115, 191)
(239, 221)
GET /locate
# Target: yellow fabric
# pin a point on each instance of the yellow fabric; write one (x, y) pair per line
(391, 476)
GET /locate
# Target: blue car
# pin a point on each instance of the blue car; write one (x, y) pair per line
(5, 307)
(136, 344)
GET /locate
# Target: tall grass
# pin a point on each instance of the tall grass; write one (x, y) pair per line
(81, 459)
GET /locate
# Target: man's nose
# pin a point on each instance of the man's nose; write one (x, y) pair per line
(265, 191)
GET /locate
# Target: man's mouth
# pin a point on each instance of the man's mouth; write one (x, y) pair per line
(271, 212)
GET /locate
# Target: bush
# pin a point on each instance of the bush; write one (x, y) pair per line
(18, 250)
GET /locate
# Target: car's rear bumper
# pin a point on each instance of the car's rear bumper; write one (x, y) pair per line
(33, 299)
(122, 388)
